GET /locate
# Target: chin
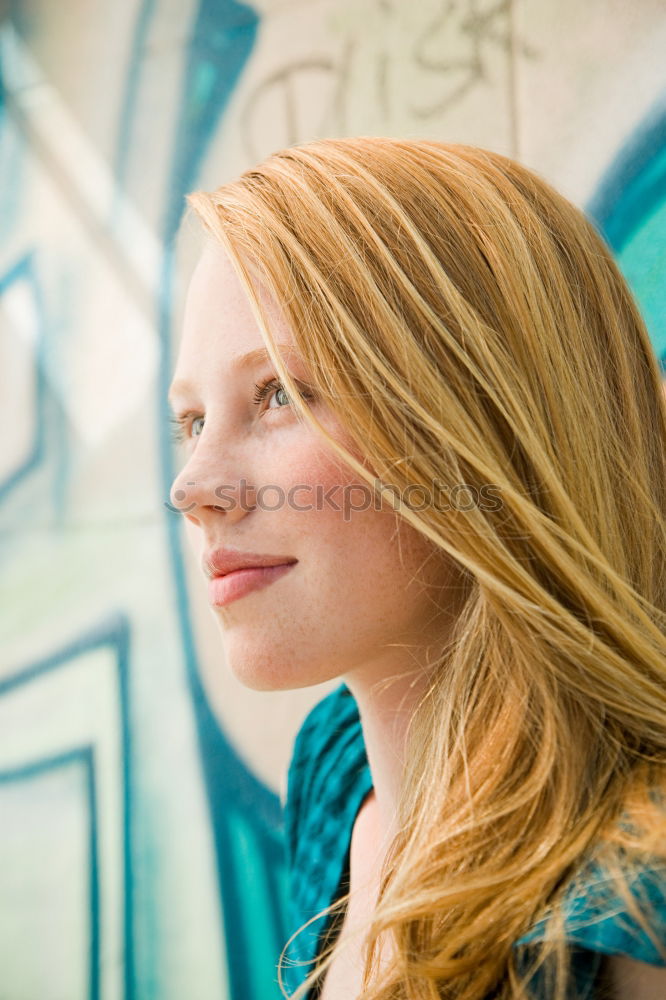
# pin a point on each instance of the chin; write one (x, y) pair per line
(254, 671)
(257, 674)
(255, 680)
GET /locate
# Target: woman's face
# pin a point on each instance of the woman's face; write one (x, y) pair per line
(360, 579)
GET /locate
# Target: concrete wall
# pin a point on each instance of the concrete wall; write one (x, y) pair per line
(140, 823)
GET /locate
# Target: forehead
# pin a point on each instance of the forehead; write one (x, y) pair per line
(217, 297)
(219, 325)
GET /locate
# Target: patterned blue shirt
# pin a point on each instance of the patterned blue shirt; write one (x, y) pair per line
(327, 782)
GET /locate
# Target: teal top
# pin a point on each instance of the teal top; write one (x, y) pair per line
(327, 782)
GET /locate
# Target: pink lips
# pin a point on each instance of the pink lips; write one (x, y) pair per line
(232, 573)
(223, 590)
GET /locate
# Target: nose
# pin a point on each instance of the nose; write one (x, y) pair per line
(182, 498)
(201, 495)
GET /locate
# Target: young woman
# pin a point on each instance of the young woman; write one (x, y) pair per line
(414, 388)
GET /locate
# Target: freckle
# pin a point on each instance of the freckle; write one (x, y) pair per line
(179, 495)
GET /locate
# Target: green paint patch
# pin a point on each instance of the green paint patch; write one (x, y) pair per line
(643, 263)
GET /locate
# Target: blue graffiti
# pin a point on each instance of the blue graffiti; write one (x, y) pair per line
(630, 209)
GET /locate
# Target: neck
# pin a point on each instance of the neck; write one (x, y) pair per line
(385, 710)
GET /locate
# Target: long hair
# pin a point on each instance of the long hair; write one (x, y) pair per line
(468, 325)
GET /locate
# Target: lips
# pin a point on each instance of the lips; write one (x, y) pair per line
(220, 562)
(223, 590)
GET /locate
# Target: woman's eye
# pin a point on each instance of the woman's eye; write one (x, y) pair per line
(183, 427)
(190, 425)
(274, 386)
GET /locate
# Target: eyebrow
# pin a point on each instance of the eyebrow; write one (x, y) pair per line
(182, 385)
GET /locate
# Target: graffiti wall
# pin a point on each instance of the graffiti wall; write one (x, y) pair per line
(141, 852)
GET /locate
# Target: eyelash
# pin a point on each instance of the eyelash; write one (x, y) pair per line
(180, 424)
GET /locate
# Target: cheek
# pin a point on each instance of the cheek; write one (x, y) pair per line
(347, 526)
(323, 491)
(348, 541)
(303, 459)
(311, 482)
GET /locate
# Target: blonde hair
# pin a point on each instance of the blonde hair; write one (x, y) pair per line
(468, 325)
